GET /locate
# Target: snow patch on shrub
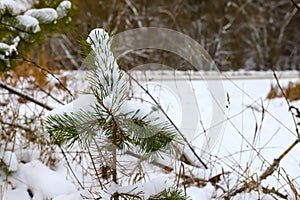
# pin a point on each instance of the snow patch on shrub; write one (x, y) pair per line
(43, 15)
(7, 50)
(63, 9)
(9, 6)
(27, 23)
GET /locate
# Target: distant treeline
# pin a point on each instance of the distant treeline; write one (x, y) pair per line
(238, 34)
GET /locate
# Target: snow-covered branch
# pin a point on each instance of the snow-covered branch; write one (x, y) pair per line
(19, 16)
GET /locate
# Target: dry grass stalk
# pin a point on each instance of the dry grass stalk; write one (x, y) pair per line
(292, 91)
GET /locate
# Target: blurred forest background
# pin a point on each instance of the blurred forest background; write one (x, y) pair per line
(238, 34)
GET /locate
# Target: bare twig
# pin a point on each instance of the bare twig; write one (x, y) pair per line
(187, 179)
(114, 152)
(47, 71)
(68, 54)
(287, 102)
(274, 166)
(135, 12)
(296, 5)
(49, 94)
(23, 95)
(288, 18)
(276, 161)
(16, 126)
(156, 163)
(293, 187)
(166, 115)
(67, 161)
(94, 166)
(14, 27)
(275, 192)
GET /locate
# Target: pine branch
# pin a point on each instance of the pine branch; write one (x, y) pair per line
(63, 128)
(151, 137)
(67, 129)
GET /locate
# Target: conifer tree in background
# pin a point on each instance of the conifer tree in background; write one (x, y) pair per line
(19, 21)
(111, 120)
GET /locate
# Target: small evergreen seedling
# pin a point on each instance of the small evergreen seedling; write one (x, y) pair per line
(111, 119)
(172, 194)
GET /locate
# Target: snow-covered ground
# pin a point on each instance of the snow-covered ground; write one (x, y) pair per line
(255, 131)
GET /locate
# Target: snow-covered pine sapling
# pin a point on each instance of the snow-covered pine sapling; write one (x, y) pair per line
(111, 119)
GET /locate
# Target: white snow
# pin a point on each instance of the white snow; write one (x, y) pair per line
(205, 193)
(97, 38)
(27, 23)
(26, 4)
(160, 91)
(7, 50)
(17, 193)
(16, 41)
(72, 196)
(100, 44)
(107, 70)
(83, 102)
(10, 6)
(43, 15)
(48, 183)
(10, 159)
(154, 186)
(27, 154)
(63, 9)
(233, 153)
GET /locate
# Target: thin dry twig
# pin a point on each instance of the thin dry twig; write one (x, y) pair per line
(296, 5)
(287, 102)
(48, 72)
(48, 94)
(23, 95)
(16, 126)
(276, 161)
(187, 179)
(274, 166)
(169, 119)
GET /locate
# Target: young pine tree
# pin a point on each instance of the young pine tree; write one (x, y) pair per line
(110, 119)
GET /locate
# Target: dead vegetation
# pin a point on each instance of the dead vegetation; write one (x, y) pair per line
(291, 91)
